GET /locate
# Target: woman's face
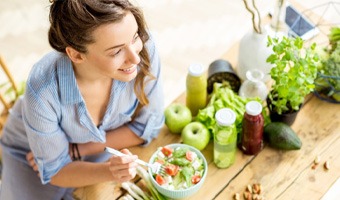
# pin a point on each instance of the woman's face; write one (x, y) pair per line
(115, 52)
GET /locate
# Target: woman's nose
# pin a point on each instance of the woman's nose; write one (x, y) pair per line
(133, 55)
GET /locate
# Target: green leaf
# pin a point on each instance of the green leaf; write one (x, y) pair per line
(179, 153)
(187, 173)
(180, 161)
(270, 41)
(271, 59)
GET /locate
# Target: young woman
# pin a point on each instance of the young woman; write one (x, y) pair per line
(101, 87)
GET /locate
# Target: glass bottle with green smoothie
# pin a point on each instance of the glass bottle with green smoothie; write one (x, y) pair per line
(225, 138)
(196, 88)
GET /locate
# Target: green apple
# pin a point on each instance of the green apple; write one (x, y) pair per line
(177, 116)
(196, 134)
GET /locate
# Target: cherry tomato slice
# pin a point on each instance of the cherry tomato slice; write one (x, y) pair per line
(171, 169)
(195, 179)
(189, 155)
(167, 151)
(160, 180)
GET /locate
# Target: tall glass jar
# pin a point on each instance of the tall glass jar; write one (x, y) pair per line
(196, 88)
(252, 129)
(225, 138)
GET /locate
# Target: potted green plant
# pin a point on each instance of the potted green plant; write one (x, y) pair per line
(293, 74)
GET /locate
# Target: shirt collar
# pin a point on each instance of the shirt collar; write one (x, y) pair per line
(69, 91)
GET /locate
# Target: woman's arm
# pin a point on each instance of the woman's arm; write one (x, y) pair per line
(119, 138)
(80, 173)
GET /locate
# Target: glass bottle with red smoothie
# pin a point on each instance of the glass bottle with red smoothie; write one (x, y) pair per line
(252, 129)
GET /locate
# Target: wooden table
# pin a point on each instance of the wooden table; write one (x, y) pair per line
(284, 175)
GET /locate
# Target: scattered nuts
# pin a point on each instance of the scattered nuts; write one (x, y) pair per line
(326, 165)
(247, 195)
(236, 196)
(314, 166)
(317, 160)
(257, 188)
(252, 192)
(249, 188)
(255, 196)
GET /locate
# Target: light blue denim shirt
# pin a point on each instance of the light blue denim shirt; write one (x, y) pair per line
(52, 113)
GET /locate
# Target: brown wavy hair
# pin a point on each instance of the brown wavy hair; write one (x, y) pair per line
(73, 22)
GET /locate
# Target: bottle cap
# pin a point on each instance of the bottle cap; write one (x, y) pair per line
(196, 69)
(253, 108)
(225, 117)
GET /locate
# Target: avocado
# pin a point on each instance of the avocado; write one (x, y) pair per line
(280, 136)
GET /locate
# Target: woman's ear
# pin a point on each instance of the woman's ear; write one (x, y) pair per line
(74, 55)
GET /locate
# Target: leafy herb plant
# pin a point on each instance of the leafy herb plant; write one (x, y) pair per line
(294, 71)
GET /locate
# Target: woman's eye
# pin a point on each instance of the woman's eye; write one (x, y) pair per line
(116, 53)
(135, 39)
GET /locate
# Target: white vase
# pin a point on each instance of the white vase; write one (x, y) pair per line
(253, 53)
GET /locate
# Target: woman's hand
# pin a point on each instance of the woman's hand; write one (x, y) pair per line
(123, 168)
(31, 162)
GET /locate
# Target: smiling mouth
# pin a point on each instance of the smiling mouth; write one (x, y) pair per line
(129, 69)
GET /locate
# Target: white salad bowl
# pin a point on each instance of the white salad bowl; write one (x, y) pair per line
(181, 193)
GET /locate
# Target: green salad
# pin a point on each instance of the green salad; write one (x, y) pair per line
(182, 168)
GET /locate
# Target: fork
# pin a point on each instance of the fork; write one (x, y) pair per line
(155, 167)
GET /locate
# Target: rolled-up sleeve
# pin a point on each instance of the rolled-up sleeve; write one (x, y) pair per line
(46, 139)
(151, 118)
